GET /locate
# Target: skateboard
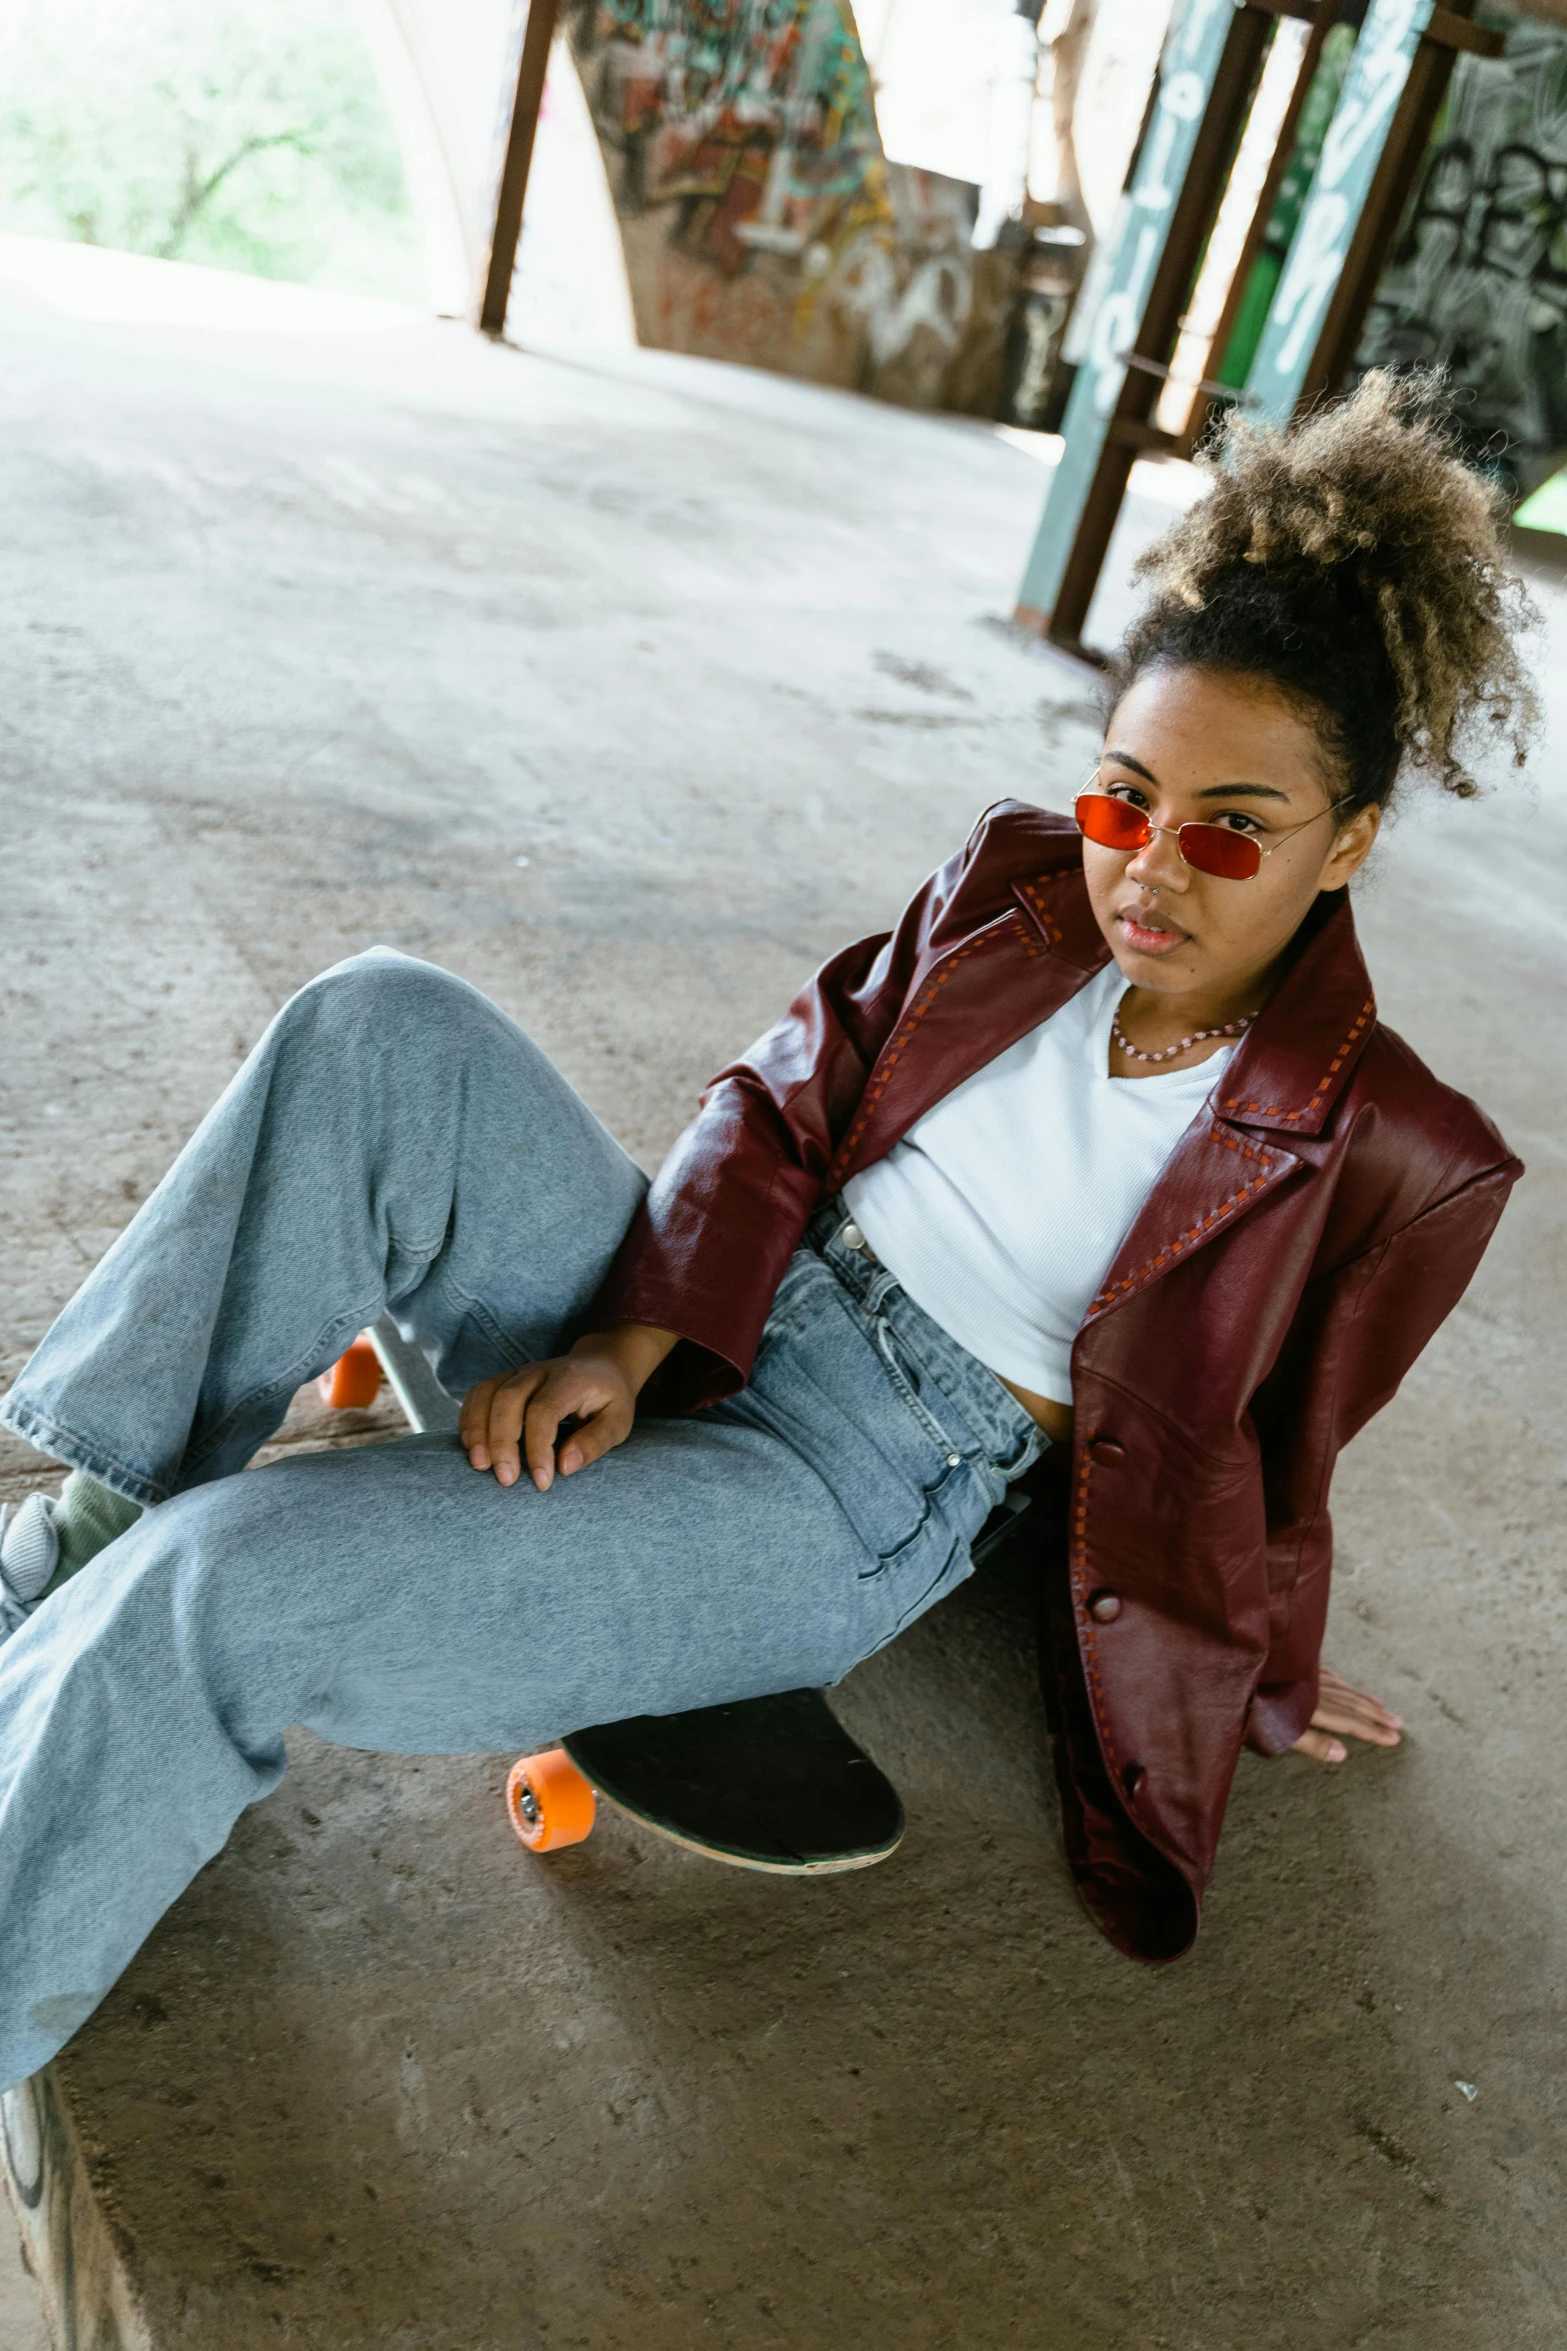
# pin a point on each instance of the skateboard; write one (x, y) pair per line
(773, 1783)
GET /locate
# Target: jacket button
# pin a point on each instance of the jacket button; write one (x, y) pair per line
(1104, 1607)
(1132, 1778)
(1107, 1451)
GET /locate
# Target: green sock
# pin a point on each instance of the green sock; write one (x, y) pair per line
(87, 1517)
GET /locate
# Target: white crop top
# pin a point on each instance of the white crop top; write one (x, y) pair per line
(1002, 1209)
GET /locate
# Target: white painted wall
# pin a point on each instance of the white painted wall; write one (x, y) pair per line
(954, 81)
(448, 68)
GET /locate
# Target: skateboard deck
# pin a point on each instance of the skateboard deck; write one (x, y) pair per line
(772, 1783)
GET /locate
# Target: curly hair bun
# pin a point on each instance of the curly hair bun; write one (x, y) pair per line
(1357, 563)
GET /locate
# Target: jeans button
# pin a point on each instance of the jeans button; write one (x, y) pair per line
(852, 1237)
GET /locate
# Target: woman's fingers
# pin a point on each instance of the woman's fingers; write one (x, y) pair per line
(473, 1422)
(501, 1440)
(516, 1419)
(599, 1402)
(469, 1413)
(1378, 1730)
(1341, 1707)
(1343, 1712)
(1333, 1690)
(596, 1435)
(547, 1408)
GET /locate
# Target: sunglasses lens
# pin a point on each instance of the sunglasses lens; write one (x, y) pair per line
(1213, 848)
(1112, 823)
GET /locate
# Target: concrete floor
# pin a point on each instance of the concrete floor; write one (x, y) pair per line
(308, 642)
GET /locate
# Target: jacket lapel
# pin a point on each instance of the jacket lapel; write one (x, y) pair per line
(1214, 1176)
(1295, 1062)
(970, 1003)
(1282, 1081)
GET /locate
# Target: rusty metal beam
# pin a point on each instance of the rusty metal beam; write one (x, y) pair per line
(1447, 32)
(1322, 22)
(511, 194)
(1058, 607)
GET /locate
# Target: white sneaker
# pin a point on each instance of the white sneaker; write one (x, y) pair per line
(29, 1555)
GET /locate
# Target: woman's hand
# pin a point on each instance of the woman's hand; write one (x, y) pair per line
(593, 1391)
(1353, 1713)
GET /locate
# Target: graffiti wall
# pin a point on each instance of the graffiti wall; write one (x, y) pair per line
(1479, 273)
(760, 218)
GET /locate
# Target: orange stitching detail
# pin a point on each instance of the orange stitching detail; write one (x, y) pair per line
(892, 1052)
(1079, 1573)
(1051, 929)
(1204, 1224)
(1234, 1143)
(1276, 1109)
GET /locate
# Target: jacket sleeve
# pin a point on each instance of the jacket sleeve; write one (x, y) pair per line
(1359, 1331)
(713, 1239)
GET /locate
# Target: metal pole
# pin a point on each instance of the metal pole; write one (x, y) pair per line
(1267, 198)
(1207, 76)
(1448, 31)
(512, 193)
(1370, 160)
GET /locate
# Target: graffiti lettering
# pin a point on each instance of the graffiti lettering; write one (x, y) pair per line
(1377, 74)
(751, 120)
(1479, 275)
(761, 220)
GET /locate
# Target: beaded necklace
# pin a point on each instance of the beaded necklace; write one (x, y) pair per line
(1231, 1028)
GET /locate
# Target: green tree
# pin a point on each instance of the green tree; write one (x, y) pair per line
(247, 134)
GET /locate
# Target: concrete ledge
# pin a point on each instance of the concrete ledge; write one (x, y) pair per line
(67, 2237)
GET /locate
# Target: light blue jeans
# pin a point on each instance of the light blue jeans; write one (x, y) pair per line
(395, 1143)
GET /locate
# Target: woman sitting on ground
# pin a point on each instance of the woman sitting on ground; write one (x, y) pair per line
(1101, 1151)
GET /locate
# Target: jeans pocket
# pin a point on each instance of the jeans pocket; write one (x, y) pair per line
(913, 1578)
(933, 1532)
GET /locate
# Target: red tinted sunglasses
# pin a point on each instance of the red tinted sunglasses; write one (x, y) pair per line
(1207, 848)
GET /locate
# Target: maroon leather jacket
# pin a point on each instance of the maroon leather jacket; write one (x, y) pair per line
(1315, 1224)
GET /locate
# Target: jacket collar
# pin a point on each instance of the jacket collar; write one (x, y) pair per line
(1056, 903)
(1295, 1060)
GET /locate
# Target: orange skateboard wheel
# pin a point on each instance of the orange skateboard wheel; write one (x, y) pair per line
(548, 1802)
(354, 1381)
